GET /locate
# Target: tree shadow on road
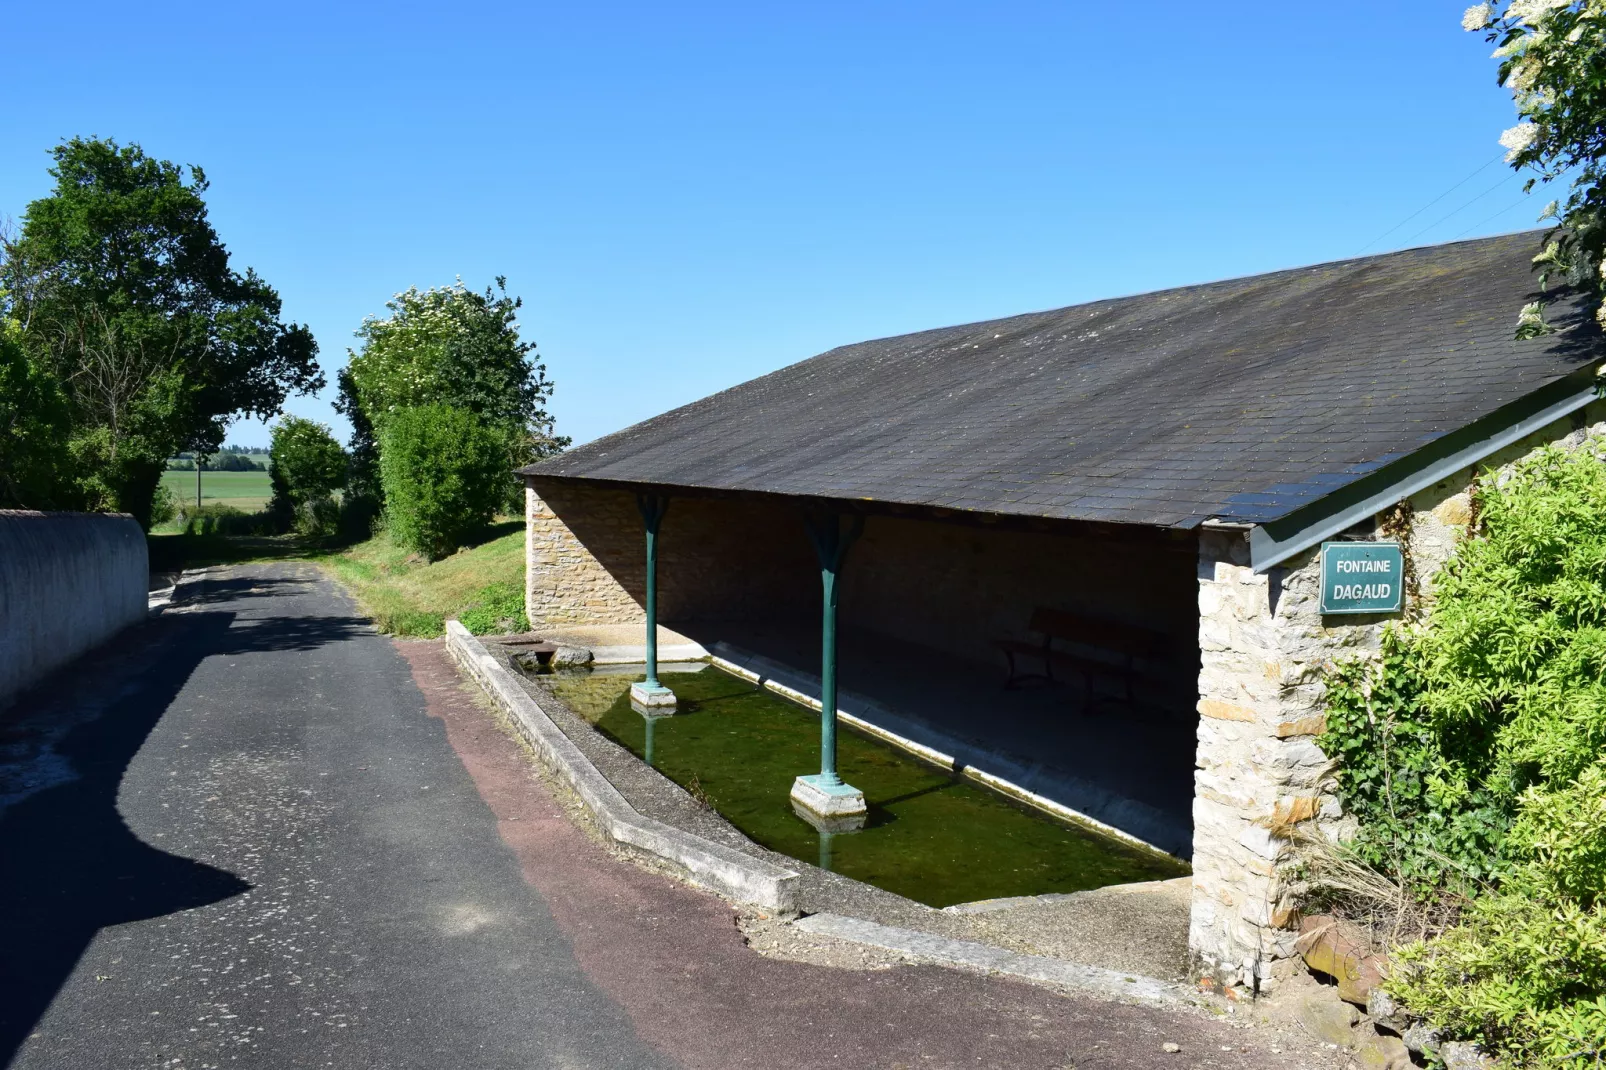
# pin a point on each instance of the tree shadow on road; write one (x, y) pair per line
(69, 865)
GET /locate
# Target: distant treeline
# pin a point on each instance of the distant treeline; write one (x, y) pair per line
(228, 459)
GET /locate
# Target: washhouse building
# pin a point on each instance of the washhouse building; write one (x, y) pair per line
(1143, 485)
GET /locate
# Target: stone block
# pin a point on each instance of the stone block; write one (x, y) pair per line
(827, 800)
(1328, 1019)
(1461, 1055)
(1344, 953)
(1421, 1038)
(1225, 711)
(1313, 725)
(1380, 1052)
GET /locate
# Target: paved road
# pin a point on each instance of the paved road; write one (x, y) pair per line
(257, 834)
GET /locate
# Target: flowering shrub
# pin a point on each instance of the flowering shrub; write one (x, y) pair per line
(1473, 754)
(450, 345)
(1552, 57)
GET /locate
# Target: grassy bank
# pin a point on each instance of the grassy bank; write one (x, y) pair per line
(481, 585)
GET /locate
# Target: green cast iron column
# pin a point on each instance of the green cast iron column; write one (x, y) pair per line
(652, 514)
(828, 677)
(831, 543)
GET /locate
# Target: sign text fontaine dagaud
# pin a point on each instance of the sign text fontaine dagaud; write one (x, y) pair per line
(1361, 577)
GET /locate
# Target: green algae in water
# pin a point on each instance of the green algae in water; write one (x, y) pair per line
(930, 836)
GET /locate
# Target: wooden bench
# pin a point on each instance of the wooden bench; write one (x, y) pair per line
(1100, 648)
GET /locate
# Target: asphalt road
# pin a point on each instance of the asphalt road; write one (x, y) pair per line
(254, 833)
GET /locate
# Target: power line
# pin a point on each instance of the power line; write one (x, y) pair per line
(1457, 211)
(1515, 204)
(1497, 158)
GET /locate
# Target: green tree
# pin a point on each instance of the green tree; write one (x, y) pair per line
(34, 458)
(445, 473)
(305, 466)
(451, 346)
(1552, 57)
(126, 295)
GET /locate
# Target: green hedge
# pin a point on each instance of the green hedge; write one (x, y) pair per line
(1474, 756)
(444, 473)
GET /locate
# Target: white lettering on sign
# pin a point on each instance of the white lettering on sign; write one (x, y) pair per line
(1347, 565)
(1362, 590)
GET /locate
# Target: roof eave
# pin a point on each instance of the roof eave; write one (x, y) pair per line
(1275, 541)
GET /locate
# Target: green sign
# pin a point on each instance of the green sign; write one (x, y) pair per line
(1362, 577)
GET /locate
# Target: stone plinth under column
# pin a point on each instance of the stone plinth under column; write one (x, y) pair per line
(827, 800)
(652, 697)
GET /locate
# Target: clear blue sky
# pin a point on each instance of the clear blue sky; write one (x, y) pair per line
(689, 195)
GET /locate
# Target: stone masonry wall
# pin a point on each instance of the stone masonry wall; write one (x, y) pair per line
(565, 581)
(947, 586)
(1264, 649)
(718, 558)
(958, 587)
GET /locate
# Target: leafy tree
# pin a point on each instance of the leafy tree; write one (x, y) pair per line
(306, 466)
(34, 459)
(444, 471)
(126, 296)
(1552, 57)
(452, 346)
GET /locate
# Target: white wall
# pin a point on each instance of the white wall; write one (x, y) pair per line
(68, 582)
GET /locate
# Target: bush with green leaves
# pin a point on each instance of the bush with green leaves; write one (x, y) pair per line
(449, 345)
(1472, 754)
(35, 461)
(306, 466)
(444, 472)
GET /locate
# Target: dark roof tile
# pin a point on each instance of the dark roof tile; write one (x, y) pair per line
(1259, 394)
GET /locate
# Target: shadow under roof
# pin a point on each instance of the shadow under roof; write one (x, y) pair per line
(1240, 399)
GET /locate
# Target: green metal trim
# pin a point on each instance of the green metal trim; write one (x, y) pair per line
(1276, 541)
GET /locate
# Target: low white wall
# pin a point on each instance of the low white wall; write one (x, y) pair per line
(68, 582)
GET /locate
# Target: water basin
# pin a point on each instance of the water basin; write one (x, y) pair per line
(929, 836)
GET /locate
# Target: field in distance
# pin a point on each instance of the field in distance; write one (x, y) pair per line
(246, 491)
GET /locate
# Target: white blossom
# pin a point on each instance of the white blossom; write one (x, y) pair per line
(1550, 211)
(1533, 12)
(1532, 318)
(1476, 17)
(1518, 138)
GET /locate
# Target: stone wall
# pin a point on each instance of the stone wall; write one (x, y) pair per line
(957, 587)
(68, 582)
(718, 558)
(1264, 650)
(945, 585)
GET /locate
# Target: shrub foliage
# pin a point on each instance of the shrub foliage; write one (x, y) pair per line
(306, 466)
(1473, 754)
(444, 472)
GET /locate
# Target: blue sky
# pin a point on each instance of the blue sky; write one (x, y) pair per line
(689, 195)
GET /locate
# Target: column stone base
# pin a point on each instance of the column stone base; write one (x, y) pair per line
(656, 696)
(838, 800)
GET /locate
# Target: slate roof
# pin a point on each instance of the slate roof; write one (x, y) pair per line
(1245, 398)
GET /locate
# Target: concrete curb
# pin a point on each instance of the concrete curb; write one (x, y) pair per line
(718, 868)
(984, 958)
(162, 597)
